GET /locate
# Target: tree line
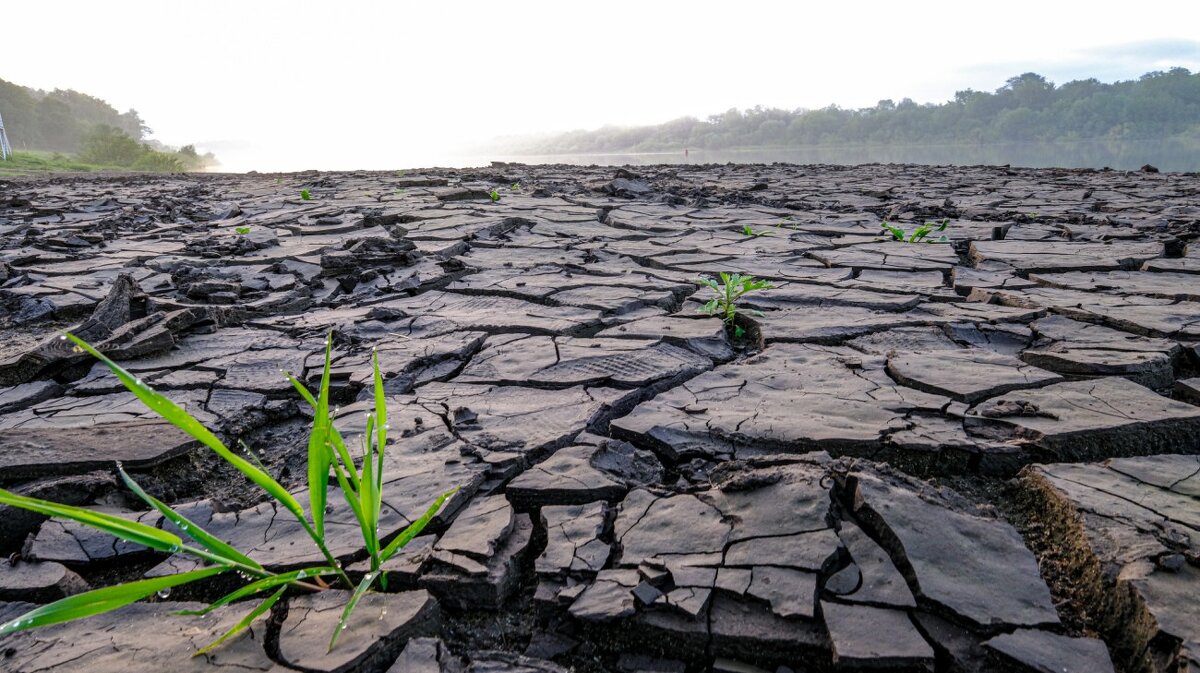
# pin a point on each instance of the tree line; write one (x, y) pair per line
(69, 122)
(1028, 108)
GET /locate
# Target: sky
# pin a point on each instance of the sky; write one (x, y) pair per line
(294, 85)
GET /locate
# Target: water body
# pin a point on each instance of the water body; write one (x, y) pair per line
(1166, 155)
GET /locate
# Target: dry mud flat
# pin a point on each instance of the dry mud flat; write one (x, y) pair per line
(975, 456)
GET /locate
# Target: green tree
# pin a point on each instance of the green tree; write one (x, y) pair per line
(109, 146)
(58, 129)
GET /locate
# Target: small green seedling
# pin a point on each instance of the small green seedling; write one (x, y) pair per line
(495, 195)
(920, 234)
(305, 194)
(516, 187)
(242, 230)
(279, 181)
(747, 230)
(327, 452)
(731, 288)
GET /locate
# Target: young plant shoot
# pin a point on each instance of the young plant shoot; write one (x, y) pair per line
(920, 234)
(731, 288)
(362, 489)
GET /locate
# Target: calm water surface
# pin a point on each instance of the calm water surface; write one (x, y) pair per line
(1127, 155)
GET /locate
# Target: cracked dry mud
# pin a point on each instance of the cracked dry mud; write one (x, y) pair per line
(974, 456)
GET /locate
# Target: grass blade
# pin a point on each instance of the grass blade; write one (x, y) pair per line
(367, 495)
(190, 528)
(414, 529)
(339, 444)
(381, 428)
(319, 454)
(101, 600)
(241, 626)
(352, 498)
(359, 592)
(253, 458)
(896, 232)
(343, 454)
(185, 422)
(260, 586)
(133, 531)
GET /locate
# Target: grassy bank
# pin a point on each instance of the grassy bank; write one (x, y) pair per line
(23, 163)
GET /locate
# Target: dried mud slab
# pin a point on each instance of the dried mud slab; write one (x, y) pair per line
(377, 631)
(142, 636)
(806, 561)
(1088, 420)
(1128, 532)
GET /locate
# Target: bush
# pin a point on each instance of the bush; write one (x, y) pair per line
(158, 162)
(107, 146)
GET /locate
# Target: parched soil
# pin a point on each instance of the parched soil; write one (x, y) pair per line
(975, 452)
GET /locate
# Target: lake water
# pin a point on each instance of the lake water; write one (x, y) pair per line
(1166, 155)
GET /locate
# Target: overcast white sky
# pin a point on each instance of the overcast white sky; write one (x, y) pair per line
(274, 85)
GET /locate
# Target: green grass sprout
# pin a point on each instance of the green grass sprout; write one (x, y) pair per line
(362, 489)
(305, 194)
(747, 230)
(920, 234)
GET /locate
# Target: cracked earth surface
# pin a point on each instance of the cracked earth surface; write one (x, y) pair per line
(979, 455)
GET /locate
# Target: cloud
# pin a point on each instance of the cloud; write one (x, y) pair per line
(1110, 63)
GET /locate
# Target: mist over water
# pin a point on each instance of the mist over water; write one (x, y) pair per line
(1166, 155)
(1126, 156)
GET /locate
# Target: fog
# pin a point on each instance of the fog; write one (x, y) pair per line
(355, 85)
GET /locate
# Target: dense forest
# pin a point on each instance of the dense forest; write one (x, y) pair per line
(1028, 108)
(70, 122)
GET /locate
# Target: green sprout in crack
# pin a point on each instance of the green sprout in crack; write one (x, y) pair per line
(305, 194)
(747, 230)
(362, 489)
(516, 187)
(242, 230)
(731, 288)
(495, 195)
(920, 234)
